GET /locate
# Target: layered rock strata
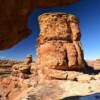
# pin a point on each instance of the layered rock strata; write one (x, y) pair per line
(59, 44)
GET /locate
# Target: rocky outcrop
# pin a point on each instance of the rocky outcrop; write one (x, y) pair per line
(62, 84)
(22, 69)
(71, 89)
(59, 44)
(14, 16)
(28, 59)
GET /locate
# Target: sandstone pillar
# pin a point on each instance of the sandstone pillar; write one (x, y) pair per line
(59, 44)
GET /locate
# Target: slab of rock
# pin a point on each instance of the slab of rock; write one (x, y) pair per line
(59, 44)
(23, 68)
(62, 90)
(84, 78)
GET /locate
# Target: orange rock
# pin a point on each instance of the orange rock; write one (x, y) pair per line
(59, 44)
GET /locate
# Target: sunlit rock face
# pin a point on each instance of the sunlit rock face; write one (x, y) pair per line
(14, 15)
(59, 44)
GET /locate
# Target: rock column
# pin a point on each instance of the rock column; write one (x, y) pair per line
(59, 44)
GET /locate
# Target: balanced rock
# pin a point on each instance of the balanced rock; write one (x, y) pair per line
(59, 44)
(28, 59)
(23, 67)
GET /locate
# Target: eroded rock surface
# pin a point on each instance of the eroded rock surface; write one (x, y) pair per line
(23, 68)
(14, 15)
(59, 89)
(59, 44)
(63, 84)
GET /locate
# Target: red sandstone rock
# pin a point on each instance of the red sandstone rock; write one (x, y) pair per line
(28, 59)
(22, 69)
(52, 55)
(59, 44)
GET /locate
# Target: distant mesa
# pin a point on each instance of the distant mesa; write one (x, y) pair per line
(95, 64)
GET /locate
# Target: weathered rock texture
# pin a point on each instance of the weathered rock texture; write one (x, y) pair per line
(22, 69)
(59, 44)
(14, 15)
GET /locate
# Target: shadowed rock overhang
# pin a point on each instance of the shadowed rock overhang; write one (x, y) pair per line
(14, 15)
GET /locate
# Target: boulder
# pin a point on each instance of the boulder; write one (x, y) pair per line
(21, 68)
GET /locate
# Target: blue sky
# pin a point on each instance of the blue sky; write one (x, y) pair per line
(88, 12)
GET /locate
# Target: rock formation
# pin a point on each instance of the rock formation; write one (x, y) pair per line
(59, 44)
(28, 59)
(14, 15)
(8, 63)
(22, 69)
